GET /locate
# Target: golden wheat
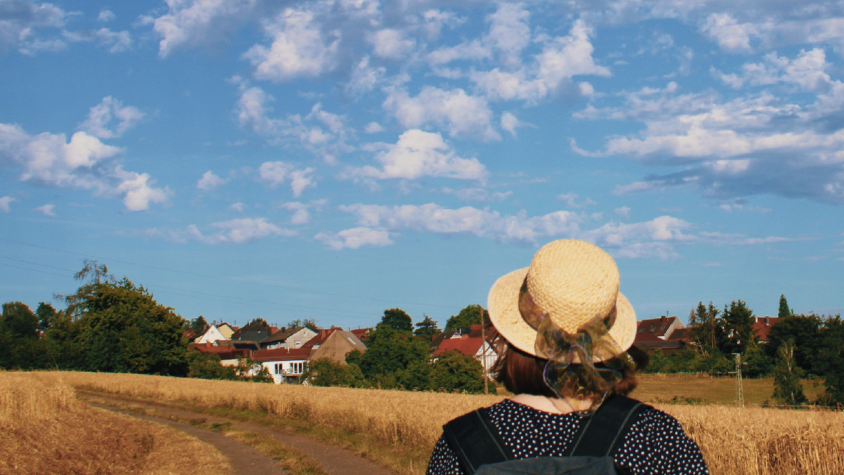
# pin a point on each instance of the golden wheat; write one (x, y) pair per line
(44, 429)
(734, 441)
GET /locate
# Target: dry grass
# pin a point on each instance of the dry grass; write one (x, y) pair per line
(44, 429)
(720, 390)
(406, 425)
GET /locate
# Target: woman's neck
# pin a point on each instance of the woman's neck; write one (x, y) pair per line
(552, 405)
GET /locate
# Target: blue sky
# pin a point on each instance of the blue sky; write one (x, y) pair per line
(330, 159)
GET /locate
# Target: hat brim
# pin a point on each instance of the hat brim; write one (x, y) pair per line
(503, 307)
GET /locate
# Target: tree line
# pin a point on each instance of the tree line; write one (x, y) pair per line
(112, 325)
(798, 346)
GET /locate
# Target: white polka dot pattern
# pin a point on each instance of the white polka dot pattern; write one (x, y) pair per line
(655, 444)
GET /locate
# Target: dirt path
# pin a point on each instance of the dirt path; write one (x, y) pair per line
(334, 461)
(244, 459)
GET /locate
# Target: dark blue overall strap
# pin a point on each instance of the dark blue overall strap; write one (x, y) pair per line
(476, 441)
(602, 433)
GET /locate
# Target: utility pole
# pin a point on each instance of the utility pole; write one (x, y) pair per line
(483, 351)
(739, 391)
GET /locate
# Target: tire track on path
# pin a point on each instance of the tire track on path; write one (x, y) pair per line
(334, 460)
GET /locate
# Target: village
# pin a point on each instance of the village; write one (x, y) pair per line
(285, 352)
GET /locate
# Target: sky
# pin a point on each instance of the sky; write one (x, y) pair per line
(334, 158)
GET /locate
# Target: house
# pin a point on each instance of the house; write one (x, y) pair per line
(660, 328)
(222, 331)
(361, 333)
(225, 352)
(253, 331)
(336, 345)
(285, 365)
(289, 338)
(762, 326)
(470, 343)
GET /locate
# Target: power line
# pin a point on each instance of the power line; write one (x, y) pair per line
(195, 274)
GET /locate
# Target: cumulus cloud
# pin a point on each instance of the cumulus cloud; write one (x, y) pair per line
(197, 23)
(391, 43)
(238, 207)
(418, 153)
(105, 16)
(572, 202)
(6, 202)
(320, 132)
(110, 118)
(239, 231)
(277, 173)
(209, 181)
(730, 35)
(47, 210)
(373, 128)
(301, 211)
(25, 25)
(298, 48)
(364, 78)
(509, 32)
(461, 114)
(510, 123)
(355, 237)
(82, 163)
(750, 144)
(477, 194)
(551, 72)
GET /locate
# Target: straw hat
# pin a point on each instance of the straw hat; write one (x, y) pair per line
(572, 281)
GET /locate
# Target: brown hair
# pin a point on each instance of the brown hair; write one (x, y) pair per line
(522, 373)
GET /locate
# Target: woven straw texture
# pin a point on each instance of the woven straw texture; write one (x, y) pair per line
(575, 282)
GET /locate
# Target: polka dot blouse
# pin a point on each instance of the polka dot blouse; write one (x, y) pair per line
(655, 444)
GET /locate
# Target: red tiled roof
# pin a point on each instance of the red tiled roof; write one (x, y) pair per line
(466, 345)
(763, 325)
(320, 337)
(225, 352)
(281, 354)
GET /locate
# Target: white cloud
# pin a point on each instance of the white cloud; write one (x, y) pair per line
(417, 154)
(509, 122)
(509, 32)
(199, 22)
(356, 237)
(238, 231)
(435, 20)
(730, 35)
(105, 16)
(5, 203)
(22, 25)
(467, 220)
(277, 173)
(101, 117)
(551, 73)
(463, 115)
(209, 181)
(364, 78)
(320, 132)
(238, 207)
(298, 48)
(571, 200)
(373, 128)
(47, 210)
(115, 41)
(653, 238)
(83, 163)
(624, 211)
(391, 43)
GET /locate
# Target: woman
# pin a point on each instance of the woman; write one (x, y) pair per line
(567, 336)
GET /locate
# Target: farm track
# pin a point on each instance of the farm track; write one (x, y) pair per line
(333, 460)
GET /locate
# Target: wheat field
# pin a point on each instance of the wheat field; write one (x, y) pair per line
(734, 441)
(45, 430)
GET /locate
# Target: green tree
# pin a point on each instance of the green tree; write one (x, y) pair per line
(389, 351)
(207, 366)
(756, 362)
(831, 360)
(416, 377)
(455, 371)
(471, 315)
(46, 314)
(199, 325)
(427, 329)
(738, 325)
(307, 323)
(706, 329)
(327, 372)
(784, 311)
(787, 387)
(20, 345)
(121, 328)
(805, 332)
(398, 319)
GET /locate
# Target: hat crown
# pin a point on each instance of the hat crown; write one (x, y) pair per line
(573, 282)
